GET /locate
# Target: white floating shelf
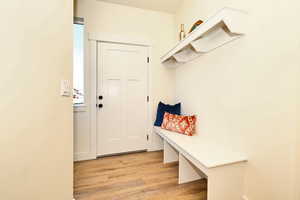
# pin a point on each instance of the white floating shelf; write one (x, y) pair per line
(225, 26)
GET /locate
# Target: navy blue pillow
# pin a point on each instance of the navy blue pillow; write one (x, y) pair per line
(162, 108)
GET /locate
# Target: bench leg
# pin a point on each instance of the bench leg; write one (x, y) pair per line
(170, 154)
(226, 182)
(187, 171)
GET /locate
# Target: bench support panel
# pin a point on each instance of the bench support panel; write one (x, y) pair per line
(170, 154)
(226, 182)
(187, 171)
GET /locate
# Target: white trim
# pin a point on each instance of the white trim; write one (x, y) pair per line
(122, 39)
(94, 39)
(93, 97)
(84, 156)
(87, 107)
(80, 108)
(89, 104)
(86, 70)
(150, 103)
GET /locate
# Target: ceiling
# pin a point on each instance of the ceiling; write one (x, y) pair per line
(169, 6)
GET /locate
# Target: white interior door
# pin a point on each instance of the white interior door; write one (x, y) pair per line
(122, 93)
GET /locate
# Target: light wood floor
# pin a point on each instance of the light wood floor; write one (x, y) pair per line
(139, 176)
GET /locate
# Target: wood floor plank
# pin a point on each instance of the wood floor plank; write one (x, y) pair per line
(138, 176)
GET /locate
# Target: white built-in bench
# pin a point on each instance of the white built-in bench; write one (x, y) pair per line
(200, 158)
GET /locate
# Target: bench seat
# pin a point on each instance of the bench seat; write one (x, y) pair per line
(207, 152)
(200, 158)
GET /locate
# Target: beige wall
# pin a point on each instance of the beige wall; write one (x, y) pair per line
(36, 123)
(296, 169)
(246, 93)
(155, 27)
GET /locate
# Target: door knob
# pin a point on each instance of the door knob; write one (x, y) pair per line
(100, 97)
(100, 105)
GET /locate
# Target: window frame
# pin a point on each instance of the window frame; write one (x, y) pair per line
(81, 107)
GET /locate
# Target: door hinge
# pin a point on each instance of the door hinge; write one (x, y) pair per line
(148, 60)
(147, 137)
(147, 98)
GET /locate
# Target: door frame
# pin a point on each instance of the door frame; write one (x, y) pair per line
(94, 39)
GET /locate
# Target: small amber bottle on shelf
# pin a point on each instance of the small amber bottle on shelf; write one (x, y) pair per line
(182, 32)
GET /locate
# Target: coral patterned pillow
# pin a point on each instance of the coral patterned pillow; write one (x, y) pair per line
(178, 123)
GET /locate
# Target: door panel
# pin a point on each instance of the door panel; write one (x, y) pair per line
(112, 93)
(135, 106)
(122, 81)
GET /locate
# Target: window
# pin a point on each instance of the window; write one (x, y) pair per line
(78, 62)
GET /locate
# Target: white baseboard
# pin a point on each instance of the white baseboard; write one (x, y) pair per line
(155, 149)
(84, 156)
(245, 197)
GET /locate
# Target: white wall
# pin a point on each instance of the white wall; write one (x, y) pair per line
(246, 94)
(155, 27)
(36, 140)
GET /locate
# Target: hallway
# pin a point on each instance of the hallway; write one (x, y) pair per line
(139, 176)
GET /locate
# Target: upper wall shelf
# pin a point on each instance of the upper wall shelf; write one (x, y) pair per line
(225, 26)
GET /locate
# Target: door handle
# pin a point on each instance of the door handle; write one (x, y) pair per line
(100, 105)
